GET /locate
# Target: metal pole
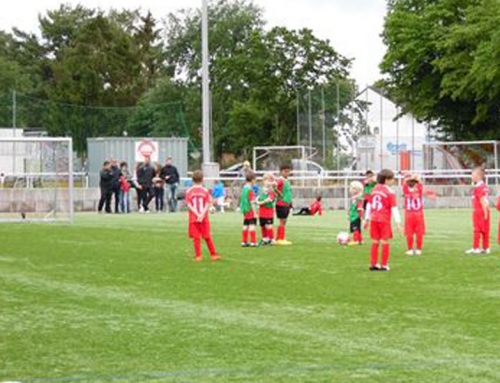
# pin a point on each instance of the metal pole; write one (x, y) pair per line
(397, 142)
(71, 186)
(324, 122)
(298, 118)
(338, 126)
(14, 112)
(14, 126)
(205, 83)
(310, 120)
(381, 131)
(412, 143)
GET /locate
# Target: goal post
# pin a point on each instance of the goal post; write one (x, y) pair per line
(271, 157)
(36, 179)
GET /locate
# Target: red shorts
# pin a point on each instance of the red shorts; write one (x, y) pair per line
(414, 224)
(199, 230)
(481, 225)
(380, 231)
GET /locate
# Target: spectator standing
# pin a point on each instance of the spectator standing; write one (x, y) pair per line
(159, 190)
(146, 172)
(115, 183)
(106, 186)
(170, 174)
(2, 180)
(125, 181)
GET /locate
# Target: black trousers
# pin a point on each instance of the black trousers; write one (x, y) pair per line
(116, 195)
(146, 196)
(105, 200)
(159, 199)
(304, 211)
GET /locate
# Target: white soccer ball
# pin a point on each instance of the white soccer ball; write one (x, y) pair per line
(343, 238)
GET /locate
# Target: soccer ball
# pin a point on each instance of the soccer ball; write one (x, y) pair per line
(343, 239)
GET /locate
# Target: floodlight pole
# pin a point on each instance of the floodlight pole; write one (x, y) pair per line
(205, 84)
(14, 112)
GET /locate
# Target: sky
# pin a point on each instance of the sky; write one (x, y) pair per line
(352, 26)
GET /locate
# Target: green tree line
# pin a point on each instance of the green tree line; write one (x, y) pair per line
(89, 72)
(443, 64)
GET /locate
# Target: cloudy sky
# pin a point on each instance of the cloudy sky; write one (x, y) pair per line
(353, 26)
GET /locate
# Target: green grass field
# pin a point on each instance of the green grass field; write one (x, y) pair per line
(119, 299)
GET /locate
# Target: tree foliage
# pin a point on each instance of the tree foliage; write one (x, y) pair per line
(94, 73)
(442, 64)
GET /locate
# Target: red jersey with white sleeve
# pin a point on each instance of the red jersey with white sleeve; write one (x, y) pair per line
(414, 198)
(480, 193)
(382, 200)
(199, 199)
(316, 208)
(414, 210)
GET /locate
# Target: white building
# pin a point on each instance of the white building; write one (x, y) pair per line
(390, 142)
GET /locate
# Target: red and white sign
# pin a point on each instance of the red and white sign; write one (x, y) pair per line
(146, 148)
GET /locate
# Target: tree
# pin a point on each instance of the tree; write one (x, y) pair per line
(442, 64)
(255, 74)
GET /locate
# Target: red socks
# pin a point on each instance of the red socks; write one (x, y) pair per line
(477, 240)
(386, 251)
(211, 246)
(270, 233)
(486, 240)
(281, 233)
(253, 236)
(197, 248)
(409, 242)
(264, 232)
(374, 254)
(420, 242)
(357, 237)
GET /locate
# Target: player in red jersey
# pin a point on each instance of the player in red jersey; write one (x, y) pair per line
(381, 206)
(413, 193)
(313, 209)
(481, 217)
(198, 201)
(498, 208)
(247, 208)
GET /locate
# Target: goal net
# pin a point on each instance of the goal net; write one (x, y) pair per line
(36, 180)
(270, 158)
(460, 156)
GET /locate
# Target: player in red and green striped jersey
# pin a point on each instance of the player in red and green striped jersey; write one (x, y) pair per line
(284, 203)
(266, 202)
(247, 208)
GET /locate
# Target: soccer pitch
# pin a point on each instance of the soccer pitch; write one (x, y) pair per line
(120, 299)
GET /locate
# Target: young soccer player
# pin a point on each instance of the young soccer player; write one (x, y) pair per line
(266, 201)
(481, 213)
(283, 204)
(198, 203)
(247, 208)
(381, 206)
(369, 184)
(313, 209)
(498, 208)
(356, 212)
(413, 193)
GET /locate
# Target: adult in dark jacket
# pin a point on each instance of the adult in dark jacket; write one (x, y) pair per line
(115, 185)
(146, 172)
(106, 185)
(170, 174)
